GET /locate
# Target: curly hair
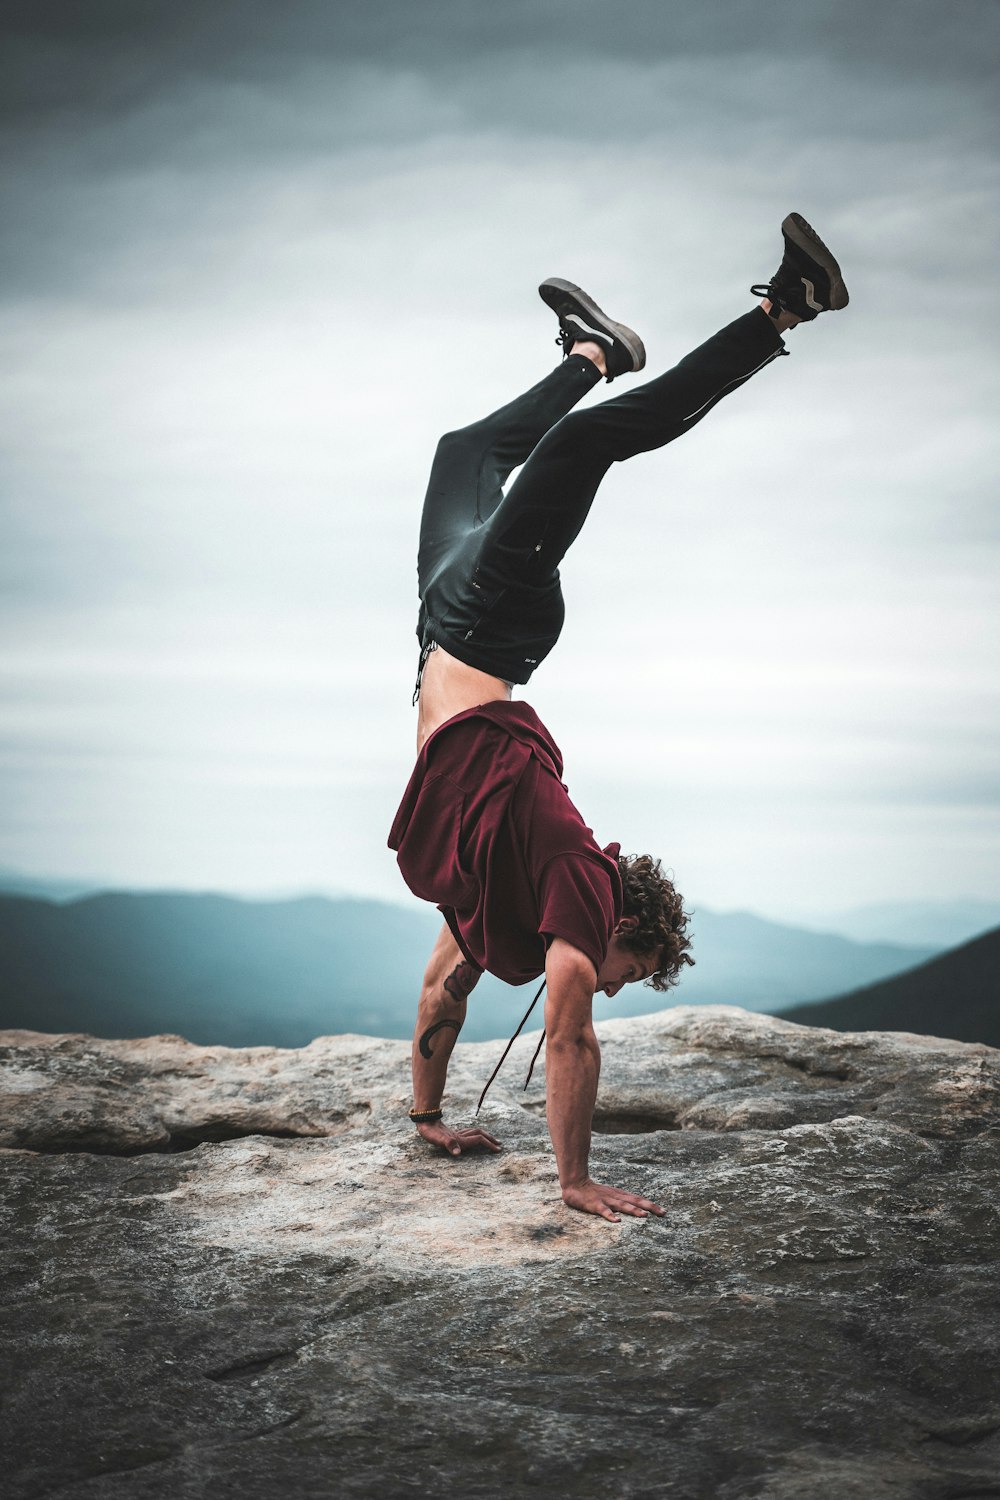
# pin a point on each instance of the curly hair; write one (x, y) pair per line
(650, 896)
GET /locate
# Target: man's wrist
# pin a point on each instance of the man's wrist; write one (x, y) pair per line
(426, 1116)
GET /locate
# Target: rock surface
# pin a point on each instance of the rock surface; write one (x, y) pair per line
(241, 1273)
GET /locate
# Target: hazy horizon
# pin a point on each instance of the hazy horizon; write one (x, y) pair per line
(940, 924)
(253, 272)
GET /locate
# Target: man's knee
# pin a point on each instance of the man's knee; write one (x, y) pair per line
(459, 443)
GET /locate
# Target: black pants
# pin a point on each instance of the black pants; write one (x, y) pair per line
(488, 567)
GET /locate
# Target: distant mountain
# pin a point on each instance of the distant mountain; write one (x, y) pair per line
(955, 995)
(214, 969)
(219, 970)
(48, 888)
(747, 960)
(935, 924)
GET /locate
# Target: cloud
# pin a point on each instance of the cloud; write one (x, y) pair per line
(253, 272)
(116, 50)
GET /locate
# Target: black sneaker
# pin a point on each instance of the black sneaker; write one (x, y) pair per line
(581, 320)
(808, 281)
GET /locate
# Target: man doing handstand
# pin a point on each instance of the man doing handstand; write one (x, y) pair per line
(486, 828)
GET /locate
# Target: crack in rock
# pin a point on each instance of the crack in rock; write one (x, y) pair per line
(213, 1133)
(255, 1364)
(623, 1123)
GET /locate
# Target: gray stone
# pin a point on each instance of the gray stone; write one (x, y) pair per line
(241, 1273)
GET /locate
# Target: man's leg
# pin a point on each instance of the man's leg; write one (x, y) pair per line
(522, 545)
(495, 600)
(472, 464)
(551, 498)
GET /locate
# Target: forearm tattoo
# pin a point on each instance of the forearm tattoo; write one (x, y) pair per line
(462, 981)
(425, 1040)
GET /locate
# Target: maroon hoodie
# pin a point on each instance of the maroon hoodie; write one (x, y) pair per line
(486, 830)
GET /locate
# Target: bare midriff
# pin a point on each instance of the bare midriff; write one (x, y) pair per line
(448, 687)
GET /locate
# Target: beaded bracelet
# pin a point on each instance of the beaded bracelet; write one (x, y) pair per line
(425, 1116)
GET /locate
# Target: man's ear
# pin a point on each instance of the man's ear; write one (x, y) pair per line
(627, 924)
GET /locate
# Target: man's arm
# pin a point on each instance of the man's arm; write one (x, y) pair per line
(448, 982)
(572, 1068)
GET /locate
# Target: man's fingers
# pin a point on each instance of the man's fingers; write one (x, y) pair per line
(455, 1142)
(632, 1204)
(639, 1208)
(473, 1136)
(624, 1203)
(608, 1202)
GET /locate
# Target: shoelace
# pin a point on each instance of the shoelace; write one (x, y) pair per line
(773, 292)
(565, 339)
(510, 1044)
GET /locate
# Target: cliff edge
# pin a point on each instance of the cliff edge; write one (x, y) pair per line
(241, 1272)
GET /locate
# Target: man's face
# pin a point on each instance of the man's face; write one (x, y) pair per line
(621, 965)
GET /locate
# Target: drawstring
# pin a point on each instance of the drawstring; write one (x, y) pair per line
(510, 1044)
(533, 1061)
(425, 653)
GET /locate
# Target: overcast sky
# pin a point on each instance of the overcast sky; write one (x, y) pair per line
(256, 259)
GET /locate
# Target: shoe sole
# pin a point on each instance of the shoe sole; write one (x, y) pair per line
(805, 237)
(555, 293)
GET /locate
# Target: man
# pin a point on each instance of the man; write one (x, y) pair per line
(486, 828)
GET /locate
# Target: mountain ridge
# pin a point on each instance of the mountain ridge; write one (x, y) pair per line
(228, 970)
(960, 987)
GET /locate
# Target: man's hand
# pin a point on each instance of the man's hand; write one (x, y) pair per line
(473, 1138)
(596, 1198)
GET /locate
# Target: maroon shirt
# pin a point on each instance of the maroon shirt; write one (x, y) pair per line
(486, 830)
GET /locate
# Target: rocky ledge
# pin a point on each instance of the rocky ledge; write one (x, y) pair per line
(241, 1273)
